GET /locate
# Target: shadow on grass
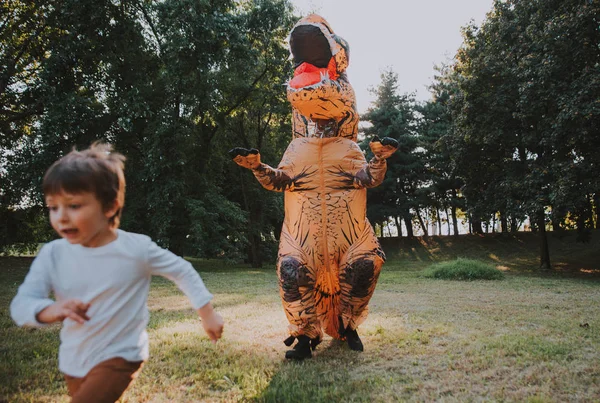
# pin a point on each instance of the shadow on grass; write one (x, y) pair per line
(330, 376)
(185, 366)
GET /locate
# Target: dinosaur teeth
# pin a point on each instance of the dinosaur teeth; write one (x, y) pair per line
(325, 80)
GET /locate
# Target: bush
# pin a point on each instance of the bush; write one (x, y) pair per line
(22, 230)
(463, 269)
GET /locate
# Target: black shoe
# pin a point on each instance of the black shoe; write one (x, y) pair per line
(353, 340)
(301, 349)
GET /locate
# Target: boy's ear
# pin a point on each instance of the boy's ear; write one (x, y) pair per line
(112, 210)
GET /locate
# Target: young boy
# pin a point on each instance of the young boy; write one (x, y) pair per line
(100, 277)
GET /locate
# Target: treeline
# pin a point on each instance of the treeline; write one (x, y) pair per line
(511, 131)
(173, 84)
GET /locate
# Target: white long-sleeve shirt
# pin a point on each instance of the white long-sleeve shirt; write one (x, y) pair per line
(115, 280)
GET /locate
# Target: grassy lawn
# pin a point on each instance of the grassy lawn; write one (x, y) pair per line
(529, 337)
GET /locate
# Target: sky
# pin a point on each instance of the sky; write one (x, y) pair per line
(409, 37)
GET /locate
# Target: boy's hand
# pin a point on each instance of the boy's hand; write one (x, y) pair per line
(213, 326)
(212, 322)
(70, 308)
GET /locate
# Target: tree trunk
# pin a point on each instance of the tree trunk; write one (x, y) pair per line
(476, 225)
(448, 220)
(514, 227)
(544, 249)
(534, 224)
(454, 220)
(408, 222)
(256, 260)
(494, 223)
(439, 220)
(425, 231)
(176, 244)
(584, 219)
(557, 217)
(398, 225)
(503, 222)
(597, 210)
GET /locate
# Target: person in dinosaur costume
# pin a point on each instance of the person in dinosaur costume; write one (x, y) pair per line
(329, 257)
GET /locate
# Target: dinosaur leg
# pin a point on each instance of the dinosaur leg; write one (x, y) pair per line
(358, 277)
(297, 290)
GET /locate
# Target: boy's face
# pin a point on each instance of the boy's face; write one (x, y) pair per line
(80, 218)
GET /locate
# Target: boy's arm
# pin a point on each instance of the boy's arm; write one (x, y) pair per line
(73, 309)
(165, 263)
(32, 296)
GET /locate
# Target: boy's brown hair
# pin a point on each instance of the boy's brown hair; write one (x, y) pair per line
(98, 170)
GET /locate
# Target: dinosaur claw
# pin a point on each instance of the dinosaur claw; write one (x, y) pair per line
(388, 141)
(240, 151)
(234, 152)
(289, 341)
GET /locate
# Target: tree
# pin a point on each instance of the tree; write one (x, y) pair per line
(519, 80)
(392, 115)
(164, 81)
(435, 129)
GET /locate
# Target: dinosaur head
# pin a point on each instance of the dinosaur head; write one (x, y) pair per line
(319, 89)
(312, 41)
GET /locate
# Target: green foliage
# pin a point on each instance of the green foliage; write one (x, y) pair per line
(169, 83)
(511, 130)
(393, 115)
(522, 116)
(463, 269)
(22, 226)
(211, 217)
(435, 129)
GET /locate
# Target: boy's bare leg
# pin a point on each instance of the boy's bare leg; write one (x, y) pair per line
(106, 382)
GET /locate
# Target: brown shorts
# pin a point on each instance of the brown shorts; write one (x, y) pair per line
(106, 382)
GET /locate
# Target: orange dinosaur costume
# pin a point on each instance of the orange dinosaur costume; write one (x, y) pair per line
(329, 258)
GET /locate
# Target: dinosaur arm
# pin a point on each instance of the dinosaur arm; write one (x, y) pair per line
(273, 179)
(270, 178)
(372, 174)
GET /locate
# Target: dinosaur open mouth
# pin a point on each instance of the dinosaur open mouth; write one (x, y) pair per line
(307, 74)
(312, 56)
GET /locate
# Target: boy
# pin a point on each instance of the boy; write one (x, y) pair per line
(100, 277)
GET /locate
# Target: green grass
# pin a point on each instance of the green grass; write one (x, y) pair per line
(533, 337)
(463, 269)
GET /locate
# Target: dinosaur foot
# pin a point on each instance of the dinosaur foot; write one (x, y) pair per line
(303, 348)
(353, 340)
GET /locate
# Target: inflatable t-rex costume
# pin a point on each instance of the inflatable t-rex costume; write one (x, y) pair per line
(329, 258)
